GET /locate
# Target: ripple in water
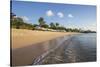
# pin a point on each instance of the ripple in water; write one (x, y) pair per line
(79, 48)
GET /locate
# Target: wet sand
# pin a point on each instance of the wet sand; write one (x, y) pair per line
(28, 45)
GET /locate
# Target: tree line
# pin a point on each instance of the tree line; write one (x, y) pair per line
(18, 23)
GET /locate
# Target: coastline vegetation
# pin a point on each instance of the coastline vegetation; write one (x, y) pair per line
(19, 23)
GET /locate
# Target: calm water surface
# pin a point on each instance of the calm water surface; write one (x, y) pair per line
(87, 43)
(79, 48)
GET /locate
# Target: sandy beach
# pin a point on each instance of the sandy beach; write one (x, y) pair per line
(22, 37)
(28, 45)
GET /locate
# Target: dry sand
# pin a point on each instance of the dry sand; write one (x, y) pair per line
(22, 37)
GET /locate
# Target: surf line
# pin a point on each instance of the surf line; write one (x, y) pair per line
(40, 58)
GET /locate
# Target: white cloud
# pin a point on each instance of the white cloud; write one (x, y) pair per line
(25, 18)
(70, 16)
(49, 13)
(60, 14)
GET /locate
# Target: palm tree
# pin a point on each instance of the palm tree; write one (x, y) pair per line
(41, 22)
(57, 24)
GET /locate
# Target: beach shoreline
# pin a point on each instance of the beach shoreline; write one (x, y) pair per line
(25, 50)
(23, 37)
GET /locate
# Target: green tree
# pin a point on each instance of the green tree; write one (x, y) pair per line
(41, 22)
(17, 22)
(35, 25)
(46, 26)
(52, 25)
(57, 24)
(61, 28)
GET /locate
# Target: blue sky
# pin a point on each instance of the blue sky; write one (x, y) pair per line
(68, 15)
